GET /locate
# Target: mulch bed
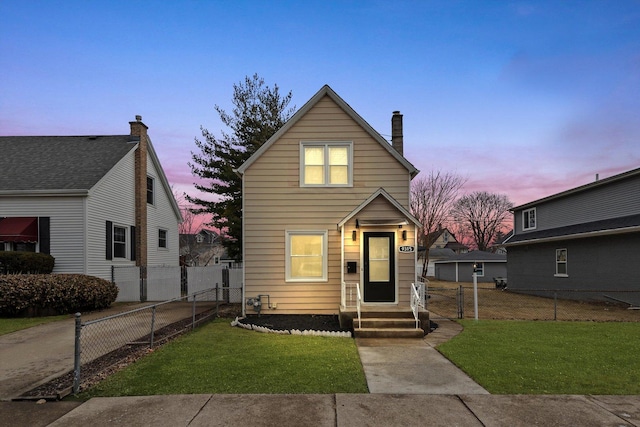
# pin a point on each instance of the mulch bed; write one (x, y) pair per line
(287, 322)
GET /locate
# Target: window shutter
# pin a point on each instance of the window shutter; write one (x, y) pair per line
(44, 235)
(109, 239)
(133, 243)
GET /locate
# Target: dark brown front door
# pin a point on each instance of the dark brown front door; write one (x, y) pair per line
(379, 267)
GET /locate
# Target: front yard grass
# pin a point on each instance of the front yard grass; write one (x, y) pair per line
(524, 357)
(218, 358)
(8, 325)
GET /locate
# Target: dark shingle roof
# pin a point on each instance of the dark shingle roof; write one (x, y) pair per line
(577, 229)
(52, 163)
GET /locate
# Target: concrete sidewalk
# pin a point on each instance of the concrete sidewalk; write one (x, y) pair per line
(333, 410)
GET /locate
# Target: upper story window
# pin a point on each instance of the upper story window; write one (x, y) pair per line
(326, 164)
(150, 190)
(529, 219)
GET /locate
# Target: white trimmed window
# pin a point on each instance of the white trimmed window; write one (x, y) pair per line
(119, 241)
(150, 190)
(306, 253)
(529, 219)
(162, 238)
(326, 164)
(561, 262)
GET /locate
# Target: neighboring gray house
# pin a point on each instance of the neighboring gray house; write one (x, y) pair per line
(92, 202)
(584, 238)
(459, 268)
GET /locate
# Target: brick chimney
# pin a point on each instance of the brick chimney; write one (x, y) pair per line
(139, 129)
(397, 141)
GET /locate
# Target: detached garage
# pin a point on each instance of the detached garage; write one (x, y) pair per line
(459, 268)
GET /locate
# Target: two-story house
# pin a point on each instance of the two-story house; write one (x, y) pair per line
(92, 202)
(585, 238)
(326, 213)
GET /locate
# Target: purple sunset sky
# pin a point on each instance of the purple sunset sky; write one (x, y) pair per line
(524, 98)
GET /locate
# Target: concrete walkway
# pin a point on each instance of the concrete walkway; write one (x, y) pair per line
(413, 366)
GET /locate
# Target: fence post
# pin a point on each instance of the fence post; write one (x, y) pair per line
(460, 302)
(76, 355)
(217, 303)
(193, 313)
(153, 321)
(555, 305)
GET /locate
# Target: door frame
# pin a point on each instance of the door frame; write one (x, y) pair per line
(393, 263)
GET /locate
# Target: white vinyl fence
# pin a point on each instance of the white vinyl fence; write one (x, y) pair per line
(165, 283)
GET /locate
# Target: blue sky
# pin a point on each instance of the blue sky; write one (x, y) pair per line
(524, 98)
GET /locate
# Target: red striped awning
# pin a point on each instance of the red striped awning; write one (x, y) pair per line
(20, 229)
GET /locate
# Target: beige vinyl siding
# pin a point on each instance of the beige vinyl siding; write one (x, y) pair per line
(275, 202)
(67, 230)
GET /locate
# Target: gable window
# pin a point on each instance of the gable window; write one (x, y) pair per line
(529, 219)
(162, 238)
(150, 188)
(119, 241)
(561, 262)
(306, 253)
(326, 164)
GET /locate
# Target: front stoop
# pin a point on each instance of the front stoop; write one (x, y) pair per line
(388, 324)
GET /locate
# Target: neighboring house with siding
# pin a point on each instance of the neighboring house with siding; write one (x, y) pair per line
(459, 268)
(585, 238)
(326, 206)
(92, 202)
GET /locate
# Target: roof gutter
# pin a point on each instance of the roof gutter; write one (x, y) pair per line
(616, 231)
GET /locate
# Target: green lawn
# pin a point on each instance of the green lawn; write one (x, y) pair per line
(8, 325)
(218, 358)
(521, 357)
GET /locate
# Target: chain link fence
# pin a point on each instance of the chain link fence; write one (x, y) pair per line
(456, 301)
(102, 343)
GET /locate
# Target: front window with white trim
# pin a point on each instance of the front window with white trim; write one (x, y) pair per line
(529, 219)
(326, 164)
(306, 256)
(561, 263)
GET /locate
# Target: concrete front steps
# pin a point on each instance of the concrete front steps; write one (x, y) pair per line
(388, 324)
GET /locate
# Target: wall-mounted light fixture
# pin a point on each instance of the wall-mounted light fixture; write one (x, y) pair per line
(354, 234)
(404, 234)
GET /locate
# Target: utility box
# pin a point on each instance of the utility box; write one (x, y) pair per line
(352, 267)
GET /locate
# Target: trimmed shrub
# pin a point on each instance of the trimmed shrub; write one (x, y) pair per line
(25, 263)
(48, 294)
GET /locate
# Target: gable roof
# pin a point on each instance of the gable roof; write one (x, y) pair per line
(59, 163)
(394, 202)
(327, 91)
(580, 189)
(620, 225)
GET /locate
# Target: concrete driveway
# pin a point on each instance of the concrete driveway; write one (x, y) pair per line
(34, 356)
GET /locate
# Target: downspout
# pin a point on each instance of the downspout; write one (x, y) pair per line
(244, 258)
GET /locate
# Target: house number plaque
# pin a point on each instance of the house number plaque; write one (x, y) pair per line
(407, 249)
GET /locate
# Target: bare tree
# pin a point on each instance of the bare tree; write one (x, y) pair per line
(191, 224)
(483, 214)
(432, 197)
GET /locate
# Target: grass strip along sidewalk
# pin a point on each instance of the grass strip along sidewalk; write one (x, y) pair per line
(218, 358)
(8, 325)
(523, 357)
